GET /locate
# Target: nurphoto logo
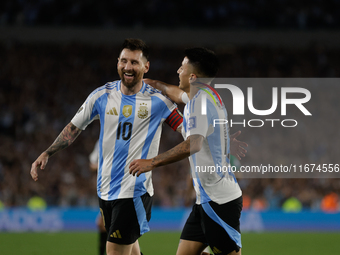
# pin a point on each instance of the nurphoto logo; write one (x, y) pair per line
(280, 98)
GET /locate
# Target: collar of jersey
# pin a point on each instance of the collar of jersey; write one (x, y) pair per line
(209, 93)
(142, 90)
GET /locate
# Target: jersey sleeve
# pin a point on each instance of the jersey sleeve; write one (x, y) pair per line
(197, 123)
(88, 111)
(185, 98)
(166, 107)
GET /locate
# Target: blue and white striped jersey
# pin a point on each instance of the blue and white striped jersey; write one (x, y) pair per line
(210, 166)
(130, 128)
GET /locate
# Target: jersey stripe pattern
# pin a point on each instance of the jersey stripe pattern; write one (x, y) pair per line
(210, 166)
(130, 128)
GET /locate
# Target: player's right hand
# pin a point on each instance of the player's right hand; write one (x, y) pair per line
(40, 162)
(140, 166)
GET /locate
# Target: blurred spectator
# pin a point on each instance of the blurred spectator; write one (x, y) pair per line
(246, 202)
(36, 203)
(259, 204)
(292, 204)
(330, 203)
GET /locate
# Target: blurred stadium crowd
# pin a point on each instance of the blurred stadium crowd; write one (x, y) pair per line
(249, 14)
(42, 87)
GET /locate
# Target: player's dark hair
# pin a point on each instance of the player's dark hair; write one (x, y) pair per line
(204, 61)
(136, 44)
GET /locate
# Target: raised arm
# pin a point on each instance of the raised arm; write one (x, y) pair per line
(171, 91)
(65, 138)
(183, 150)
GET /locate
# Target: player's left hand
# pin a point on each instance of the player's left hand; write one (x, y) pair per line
(237, 148)
(139, 166)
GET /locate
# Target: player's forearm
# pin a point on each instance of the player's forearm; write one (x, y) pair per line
(172, 91)
(160, 86)
(65, 138)
(175, 154)
(183, 150)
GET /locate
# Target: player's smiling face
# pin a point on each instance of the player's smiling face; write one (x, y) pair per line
(132, 66)
(184, 73)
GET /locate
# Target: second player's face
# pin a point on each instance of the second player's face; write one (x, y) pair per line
(132, 66)
(184, 73)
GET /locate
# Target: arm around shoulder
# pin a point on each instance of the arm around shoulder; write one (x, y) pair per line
(171, 91)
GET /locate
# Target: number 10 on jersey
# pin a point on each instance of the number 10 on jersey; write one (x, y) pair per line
(124, 129)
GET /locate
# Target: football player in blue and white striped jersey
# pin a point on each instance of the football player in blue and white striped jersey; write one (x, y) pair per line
(131, 114)
(215, 218)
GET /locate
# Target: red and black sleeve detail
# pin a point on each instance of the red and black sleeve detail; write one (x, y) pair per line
(174, 119)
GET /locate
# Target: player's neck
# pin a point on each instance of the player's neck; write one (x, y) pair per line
(195, 87)
(131, 91)
(192, 92)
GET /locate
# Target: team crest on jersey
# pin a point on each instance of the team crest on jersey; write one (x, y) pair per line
(143, 111)
(127, 110)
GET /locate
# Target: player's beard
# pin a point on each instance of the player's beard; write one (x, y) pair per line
(130, 83)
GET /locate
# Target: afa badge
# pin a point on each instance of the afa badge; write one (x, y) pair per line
(143, 111)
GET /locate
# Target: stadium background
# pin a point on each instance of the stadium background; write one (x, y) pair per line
(54, 53)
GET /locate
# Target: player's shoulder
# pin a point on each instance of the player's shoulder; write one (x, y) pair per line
(108, 87)
(112, 85)
(151, 91)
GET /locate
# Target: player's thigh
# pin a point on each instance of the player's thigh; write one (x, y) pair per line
(118, 249)
(135, 249)
(187, 247)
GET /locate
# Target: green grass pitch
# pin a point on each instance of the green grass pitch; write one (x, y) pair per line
(165, 243)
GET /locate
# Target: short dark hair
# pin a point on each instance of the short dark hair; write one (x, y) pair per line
(204, 61)
(136, 44)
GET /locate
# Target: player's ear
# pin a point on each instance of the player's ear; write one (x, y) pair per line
(147, 67)
(193, 78)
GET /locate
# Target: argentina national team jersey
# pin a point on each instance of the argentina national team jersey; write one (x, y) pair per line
(130, 128)
(212, 181)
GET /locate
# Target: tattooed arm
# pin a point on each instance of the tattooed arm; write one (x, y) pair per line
(183, 150)
(65, 138)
